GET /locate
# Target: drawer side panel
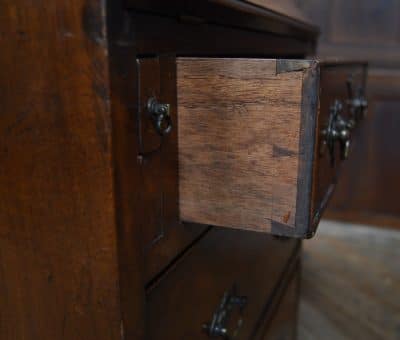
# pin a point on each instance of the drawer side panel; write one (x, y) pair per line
(239, 135)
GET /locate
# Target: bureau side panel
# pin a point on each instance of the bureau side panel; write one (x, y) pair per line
(58, 261)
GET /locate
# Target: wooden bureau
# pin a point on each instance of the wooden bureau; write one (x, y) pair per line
(160, 163)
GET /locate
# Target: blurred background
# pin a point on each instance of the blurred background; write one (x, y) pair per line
(351, 269)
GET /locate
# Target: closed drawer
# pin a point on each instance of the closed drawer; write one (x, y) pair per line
(247, 265)
(260, 142)
(282, 324)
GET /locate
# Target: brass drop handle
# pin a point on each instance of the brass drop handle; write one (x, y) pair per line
(345, 142)
(338, 129)
(343, 128)
(160, 116)
(217, 327)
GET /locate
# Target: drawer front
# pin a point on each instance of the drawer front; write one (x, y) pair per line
(249, 134)
(247, 265)
(341, 87)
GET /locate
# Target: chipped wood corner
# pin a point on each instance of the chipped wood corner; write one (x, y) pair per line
(292, 65)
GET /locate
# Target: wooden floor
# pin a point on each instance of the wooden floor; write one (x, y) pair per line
(351, 284)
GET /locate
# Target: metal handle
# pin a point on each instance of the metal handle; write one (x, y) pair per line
(337, 129)
(343, 135)
(217, 327)
(160, 116)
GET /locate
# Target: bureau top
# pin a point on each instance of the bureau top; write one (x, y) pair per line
(260, 15)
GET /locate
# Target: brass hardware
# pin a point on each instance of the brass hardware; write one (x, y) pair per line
(337, 129)
(356, 103)
(160, 116)
(218, 325)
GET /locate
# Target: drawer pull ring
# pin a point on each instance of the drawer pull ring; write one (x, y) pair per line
(337, 129)
(217, 327)
(160, 116)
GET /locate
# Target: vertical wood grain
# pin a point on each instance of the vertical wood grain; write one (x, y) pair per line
(58, 256)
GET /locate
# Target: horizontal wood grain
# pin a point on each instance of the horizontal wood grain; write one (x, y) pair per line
(243, 142)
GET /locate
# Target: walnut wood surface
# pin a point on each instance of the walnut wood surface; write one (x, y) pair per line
(58, 246)
(240, 130)
(72, 210)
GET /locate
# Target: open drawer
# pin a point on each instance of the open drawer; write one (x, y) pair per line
(256, 149)
(259, 140)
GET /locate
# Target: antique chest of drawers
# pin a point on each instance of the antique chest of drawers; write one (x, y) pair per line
(161, 162)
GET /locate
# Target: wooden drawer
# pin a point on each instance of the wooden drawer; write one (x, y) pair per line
(251, 138)
(244, 150)
(190, 293)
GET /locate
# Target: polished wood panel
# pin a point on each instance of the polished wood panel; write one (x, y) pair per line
(240, 142)
(127, 176)
(356, 293)
(74, 257)
(180, 303)
(58, 242)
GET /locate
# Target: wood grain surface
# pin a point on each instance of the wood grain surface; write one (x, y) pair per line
(58, 252)
(239, 141)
